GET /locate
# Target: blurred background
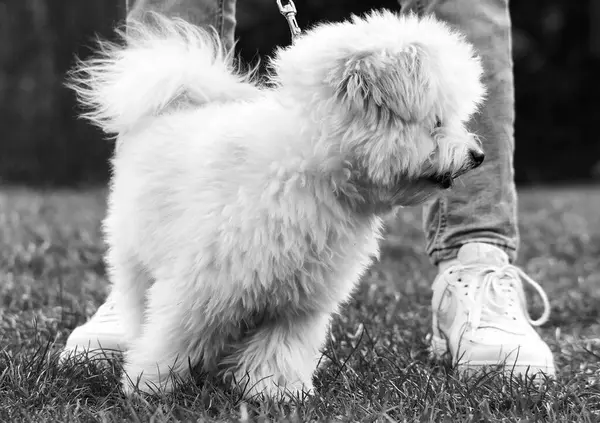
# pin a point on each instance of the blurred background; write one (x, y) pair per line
(557, 76)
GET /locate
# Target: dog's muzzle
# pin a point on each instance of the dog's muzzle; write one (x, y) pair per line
(446, 180)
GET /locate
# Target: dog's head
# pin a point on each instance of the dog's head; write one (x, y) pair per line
(393, 95)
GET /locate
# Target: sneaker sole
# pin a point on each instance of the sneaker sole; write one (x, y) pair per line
(439, 349)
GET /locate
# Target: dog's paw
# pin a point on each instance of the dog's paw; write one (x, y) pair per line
(275, 388)
(128, 387)
(145, 385)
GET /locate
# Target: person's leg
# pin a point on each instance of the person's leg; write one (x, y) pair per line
(103, 334)
(482, 207)
(219, 14)
(479, 310)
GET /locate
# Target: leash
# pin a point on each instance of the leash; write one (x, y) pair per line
(288, 11)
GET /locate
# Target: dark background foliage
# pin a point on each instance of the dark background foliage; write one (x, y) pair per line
(557, 63)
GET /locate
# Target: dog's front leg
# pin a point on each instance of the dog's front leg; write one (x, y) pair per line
(130, 281)
(166, 346)
(280, 358)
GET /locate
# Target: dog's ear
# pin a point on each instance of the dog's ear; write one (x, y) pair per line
(383, 81)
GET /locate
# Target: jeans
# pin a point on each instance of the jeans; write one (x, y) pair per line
(219, 14)
(482, 206)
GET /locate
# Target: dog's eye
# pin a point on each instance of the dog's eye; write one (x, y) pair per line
(438, 123)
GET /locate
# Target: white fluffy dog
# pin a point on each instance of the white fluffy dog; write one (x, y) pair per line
(241, 217)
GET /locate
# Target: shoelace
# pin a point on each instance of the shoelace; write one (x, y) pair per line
(491, 283)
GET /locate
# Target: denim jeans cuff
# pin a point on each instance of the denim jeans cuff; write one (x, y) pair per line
(438, 255)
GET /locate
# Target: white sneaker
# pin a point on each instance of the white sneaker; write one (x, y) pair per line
(100, 337)
(480, 315)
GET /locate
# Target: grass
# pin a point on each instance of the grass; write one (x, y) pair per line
(52, 278)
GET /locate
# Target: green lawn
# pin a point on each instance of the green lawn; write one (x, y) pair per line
(52, 278)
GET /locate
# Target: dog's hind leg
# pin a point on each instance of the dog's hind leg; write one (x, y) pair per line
(279, 359)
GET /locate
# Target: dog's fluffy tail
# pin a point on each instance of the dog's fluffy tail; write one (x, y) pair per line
(161, 62)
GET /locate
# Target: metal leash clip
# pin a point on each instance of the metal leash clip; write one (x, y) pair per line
(288, 10)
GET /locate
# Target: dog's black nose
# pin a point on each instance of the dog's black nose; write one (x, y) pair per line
(477, 157)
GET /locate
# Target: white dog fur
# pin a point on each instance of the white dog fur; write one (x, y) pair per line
(241, 217)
